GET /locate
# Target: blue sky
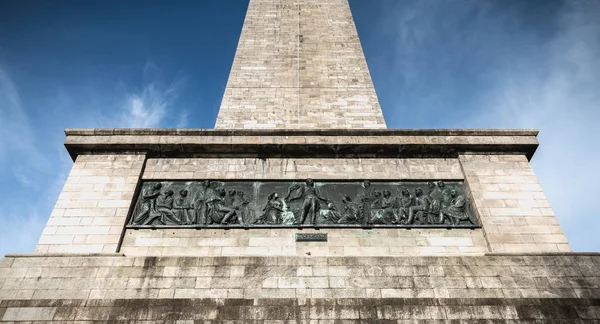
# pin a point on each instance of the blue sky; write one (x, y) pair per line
(435, 64)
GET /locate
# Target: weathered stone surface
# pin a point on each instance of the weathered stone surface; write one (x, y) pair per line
(485, 276)
(91, 210)
(502, 288)
(281, 242)
(512, 207)
(284, 77)
(302, 168)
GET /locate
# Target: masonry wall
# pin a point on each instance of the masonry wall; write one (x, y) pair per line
(91, 210)
(512, 207)
(502, 288)
(299, 65)
(298, 168)
(281, 242)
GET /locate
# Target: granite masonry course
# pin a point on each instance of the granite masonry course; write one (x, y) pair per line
(556, 288)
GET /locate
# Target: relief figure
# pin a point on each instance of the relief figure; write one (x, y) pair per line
(164, 210)
(365, 199)
(445, 193)
(287, 216)
(240, 204)
(406, 201)
(148, 203)
(389, 204)
(419, 212)
(272, 211)
(456, 211)
(183, 208)
(310, 203)
(376, 210)
(220, 213)
(350, 213)
(200, 206)
(435, 203)
(328, 215)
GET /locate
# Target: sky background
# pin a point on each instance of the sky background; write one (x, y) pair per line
(435, 64)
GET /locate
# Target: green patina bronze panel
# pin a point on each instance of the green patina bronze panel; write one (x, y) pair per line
(307, 203)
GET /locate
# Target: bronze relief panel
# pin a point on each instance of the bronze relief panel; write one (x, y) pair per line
(230, 204)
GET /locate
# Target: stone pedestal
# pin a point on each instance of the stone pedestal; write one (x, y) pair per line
(506, 198)
(557, 288)
(91, 266)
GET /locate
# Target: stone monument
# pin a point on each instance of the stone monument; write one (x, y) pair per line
(300, 206)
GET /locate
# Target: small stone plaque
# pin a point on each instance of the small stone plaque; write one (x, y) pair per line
(311, 237)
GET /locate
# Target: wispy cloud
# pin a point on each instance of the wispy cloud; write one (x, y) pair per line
(15, 128)
(36, 169)
(154, 103)
(489, 64)
(21, 162)
(563, 101)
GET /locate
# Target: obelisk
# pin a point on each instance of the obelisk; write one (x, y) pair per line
(299, 65)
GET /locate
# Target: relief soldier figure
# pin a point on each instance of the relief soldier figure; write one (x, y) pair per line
(310, 203)
(365, 198)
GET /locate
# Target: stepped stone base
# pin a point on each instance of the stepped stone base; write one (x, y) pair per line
(557, 288)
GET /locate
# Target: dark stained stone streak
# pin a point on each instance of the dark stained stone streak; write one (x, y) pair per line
(433, 310)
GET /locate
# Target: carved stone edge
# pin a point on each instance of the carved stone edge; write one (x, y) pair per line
(300, 143)
(326, 226)
(298, 132)
(59, 255)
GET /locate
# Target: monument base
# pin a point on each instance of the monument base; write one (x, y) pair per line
(112, 288)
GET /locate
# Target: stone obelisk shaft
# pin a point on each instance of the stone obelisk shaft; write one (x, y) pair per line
(299, 65)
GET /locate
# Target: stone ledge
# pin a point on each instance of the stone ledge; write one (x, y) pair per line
(301, 143)
(62, 255)
(530, 259)
(543, 254)
(298, 132)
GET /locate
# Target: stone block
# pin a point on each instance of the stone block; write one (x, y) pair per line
(20, 314)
